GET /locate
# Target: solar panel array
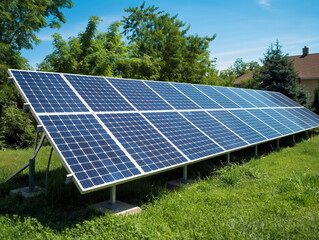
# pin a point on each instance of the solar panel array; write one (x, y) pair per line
(108, 130)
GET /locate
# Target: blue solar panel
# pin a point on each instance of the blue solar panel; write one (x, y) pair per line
(48, 92)
(294, 118)
(98, 93)
(141, 96)
(188, 139)
(234, 97)
(287, 100)
(172, 95)
(239, 127)
(283, 120)
(255, 123)
(244, 93)
(299, 114)
(275, 98)
(314, 117)
(198, 97)
(270, 121)
(214, 129)
(88, 151)
(143, 142)
(262, 99)
(217, 96)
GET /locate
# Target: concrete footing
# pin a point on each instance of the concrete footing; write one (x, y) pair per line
(26, 193)
(117, 208)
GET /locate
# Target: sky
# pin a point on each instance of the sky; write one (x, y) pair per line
(244, 28)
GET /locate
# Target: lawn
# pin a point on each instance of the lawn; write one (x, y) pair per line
(273, 197)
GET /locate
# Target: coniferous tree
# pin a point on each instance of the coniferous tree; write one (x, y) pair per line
(278, 74)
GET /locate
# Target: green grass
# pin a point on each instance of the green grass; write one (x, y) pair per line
(273, 197)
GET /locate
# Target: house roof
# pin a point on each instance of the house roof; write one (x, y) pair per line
(307, 67)
(243, 77)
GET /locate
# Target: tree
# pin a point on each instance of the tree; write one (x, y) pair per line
(240, 67)
(157, 34)
(316, 100)
(278, 74)
(20, 20)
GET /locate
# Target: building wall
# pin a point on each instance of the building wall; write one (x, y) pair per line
(310, 85)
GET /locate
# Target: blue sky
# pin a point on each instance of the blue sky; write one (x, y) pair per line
(244, 28)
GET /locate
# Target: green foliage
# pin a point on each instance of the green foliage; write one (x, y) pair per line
(17, 130)
(157, 34)
(278, 74)
(316, 100)
(240, 67)
(249, 83)
(20, 20)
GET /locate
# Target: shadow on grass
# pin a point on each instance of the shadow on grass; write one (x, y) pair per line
(64, 206)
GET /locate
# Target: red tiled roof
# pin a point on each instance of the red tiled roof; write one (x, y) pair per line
(307, 67)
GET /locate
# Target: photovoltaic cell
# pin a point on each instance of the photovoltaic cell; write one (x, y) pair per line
(98, 93)
(299, 114)
(239, 127)
(188, 139)
(255, 123)
(48, 92)
(234, 97)
(262, 99)
(217, 96)
(314, 117)
(89, 152)
(214, 129)
(172, 95)
(142, 141)
(283, 120)
(198, 97)
(244, 93)
(287, 100)
(270, 121)
(275, 98)
(141, 96)
(294, 118)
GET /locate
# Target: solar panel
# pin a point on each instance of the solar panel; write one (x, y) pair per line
(263, 128)
(98, 93)
(293, 118)
(141, 96)
(215, 129)
(234, 97)
(282, 129)
(262, 99)
(195, 95)
(88, 150)
(107, 130)
(244, 93)
(283, 120)
(47, 92)
(143, 142)
(217, 96)
(172, 95)
(238, 126)
(193, 143)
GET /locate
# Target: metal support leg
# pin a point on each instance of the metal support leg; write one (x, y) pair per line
(278, 146)
(307, 134)
(228, 158)
(47, 172)
(185, 173)
(294, 139)
(256, 151)
(113, 195)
